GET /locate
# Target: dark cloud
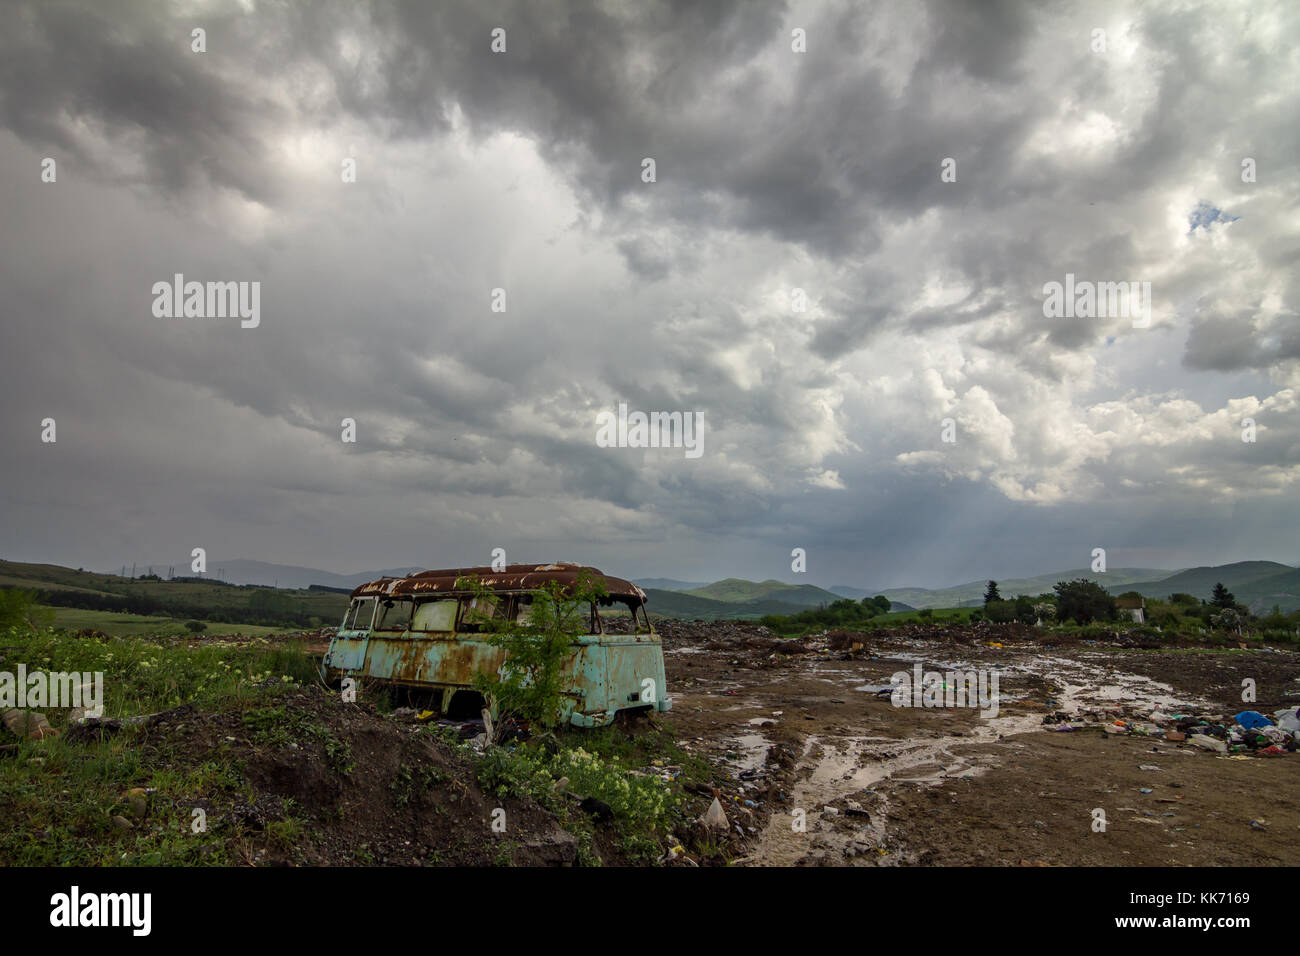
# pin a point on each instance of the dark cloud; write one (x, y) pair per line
(775, 170)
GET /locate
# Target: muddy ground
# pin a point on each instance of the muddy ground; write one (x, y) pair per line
(797, 739)
(803, 726)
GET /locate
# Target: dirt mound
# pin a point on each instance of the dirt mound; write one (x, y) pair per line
(359, 787)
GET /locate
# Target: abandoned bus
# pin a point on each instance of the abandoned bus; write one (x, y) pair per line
(420, 632)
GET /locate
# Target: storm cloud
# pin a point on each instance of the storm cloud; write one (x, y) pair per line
(854, 211)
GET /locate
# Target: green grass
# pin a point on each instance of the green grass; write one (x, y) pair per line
(950, 615)
(59, 798)
(212, 596)
(125, 625)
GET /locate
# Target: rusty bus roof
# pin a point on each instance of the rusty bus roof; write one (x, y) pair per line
(515, 577)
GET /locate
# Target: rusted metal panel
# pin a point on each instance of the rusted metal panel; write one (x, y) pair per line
(515, 577)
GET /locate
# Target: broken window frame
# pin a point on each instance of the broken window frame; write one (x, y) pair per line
(443, 599)
(349, 619)
(394, 602)
(468, 623)
(636, 611)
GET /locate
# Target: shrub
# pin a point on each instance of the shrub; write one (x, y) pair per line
(529, 685)
(1084, 601)
(19, 609)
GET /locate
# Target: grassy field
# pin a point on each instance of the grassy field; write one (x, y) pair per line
(125, 625)
(203, 781)
(59, 798)
(946, 615)
(206, 600)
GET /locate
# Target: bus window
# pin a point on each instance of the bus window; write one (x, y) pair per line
(394, 614)
(476, 611)
(436, 615)
(359, 615)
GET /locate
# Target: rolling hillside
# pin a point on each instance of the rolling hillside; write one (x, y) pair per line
(972, 594)
(844, 591)
(688, 606)
(1257, 584)
(738, 590)
(203, 600)
(669, 584)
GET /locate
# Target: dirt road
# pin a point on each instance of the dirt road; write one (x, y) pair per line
(814, 739)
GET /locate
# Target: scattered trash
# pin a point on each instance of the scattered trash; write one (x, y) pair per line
(714, 817)
(1252, 720)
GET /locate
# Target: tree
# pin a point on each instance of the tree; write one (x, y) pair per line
(1222, 597)
(882, 602)
(1000, 612)
(1084, 601)
(991, 593)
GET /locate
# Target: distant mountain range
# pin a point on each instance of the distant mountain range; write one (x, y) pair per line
(740, 591)
(972, 593)
(244, 571)
(1257, 584)
(669, 584)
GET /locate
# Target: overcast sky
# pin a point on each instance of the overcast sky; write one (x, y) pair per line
(775, 170)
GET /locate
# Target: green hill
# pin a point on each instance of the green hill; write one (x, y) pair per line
(1280, 589)
(669, 584)
(688, 607)
(738, 590)
(186, 597)
(1257, 584)
(972, 594)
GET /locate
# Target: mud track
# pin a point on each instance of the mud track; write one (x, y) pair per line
(807, 731)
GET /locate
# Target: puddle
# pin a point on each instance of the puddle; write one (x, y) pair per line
(753, 751)
(843, 767)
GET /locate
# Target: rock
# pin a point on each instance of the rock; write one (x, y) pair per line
(714, 818)
(137, 799)
(122, 823)
(28, 724)
(557, 848)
